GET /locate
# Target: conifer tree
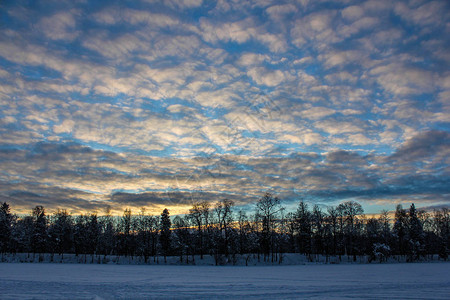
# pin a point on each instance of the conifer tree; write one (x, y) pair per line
(400, 229)
(415, 232)
(5, 227)
(39, 238)
(165, 233)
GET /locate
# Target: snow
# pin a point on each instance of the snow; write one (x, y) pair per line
(208, 260)
(96, 281)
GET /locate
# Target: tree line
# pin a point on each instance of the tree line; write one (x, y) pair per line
(224, 233)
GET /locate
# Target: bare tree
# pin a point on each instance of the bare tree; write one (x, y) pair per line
(199, 214)
(223, 212)
(351, 210)
(268, 208)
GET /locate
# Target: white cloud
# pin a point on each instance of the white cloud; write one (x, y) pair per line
(312, 138)
(239, 32)
(65, 127)
(267, 77)
(350, 112)
(119, 47)
(8, 120)
(400, 80)
(306, 137)
(340, 77)
(316, 27)
(251, 59)
(275, 42)
(183, 4)
(338, 127)
(315, 113)
(303, 60)
(148, 18)
(60, 26)
(352, 13)
(342, 58)
(367, 23)
(277, 12)
(359, 139)
(430, 13)
(217, 99)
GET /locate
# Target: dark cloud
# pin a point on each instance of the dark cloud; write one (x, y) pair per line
(425, 187)
(23, 197)
(80, 178)
(435, 207)
(423, 146)
(171, 198)
(345, 157)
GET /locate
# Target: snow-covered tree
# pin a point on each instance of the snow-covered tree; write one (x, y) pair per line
(381, 252)
(442, 230)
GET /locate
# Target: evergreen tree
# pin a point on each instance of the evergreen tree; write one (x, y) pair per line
(415, 233)
(22, 234)
(318, 229)
(332, 220)
(400, 229)
(39, 238)
(61, 232)
(5, 227)
(165, 238)
(442, 230)
(303, 226)
(92, 234)
(80, 235)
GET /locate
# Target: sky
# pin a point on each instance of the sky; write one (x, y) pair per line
(130, 104)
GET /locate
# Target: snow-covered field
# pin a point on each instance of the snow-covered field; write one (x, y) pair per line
(91, 281)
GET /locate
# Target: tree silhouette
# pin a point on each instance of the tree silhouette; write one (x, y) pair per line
(213, 228)
(165, 233)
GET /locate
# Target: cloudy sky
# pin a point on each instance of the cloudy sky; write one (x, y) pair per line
(157, 104)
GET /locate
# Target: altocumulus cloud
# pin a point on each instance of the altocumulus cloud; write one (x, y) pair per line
(161, 103)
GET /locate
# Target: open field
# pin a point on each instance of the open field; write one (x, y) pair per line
(80, 281)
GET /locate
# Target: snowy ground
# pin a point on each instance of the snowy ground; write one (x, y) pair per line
(359, 281)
